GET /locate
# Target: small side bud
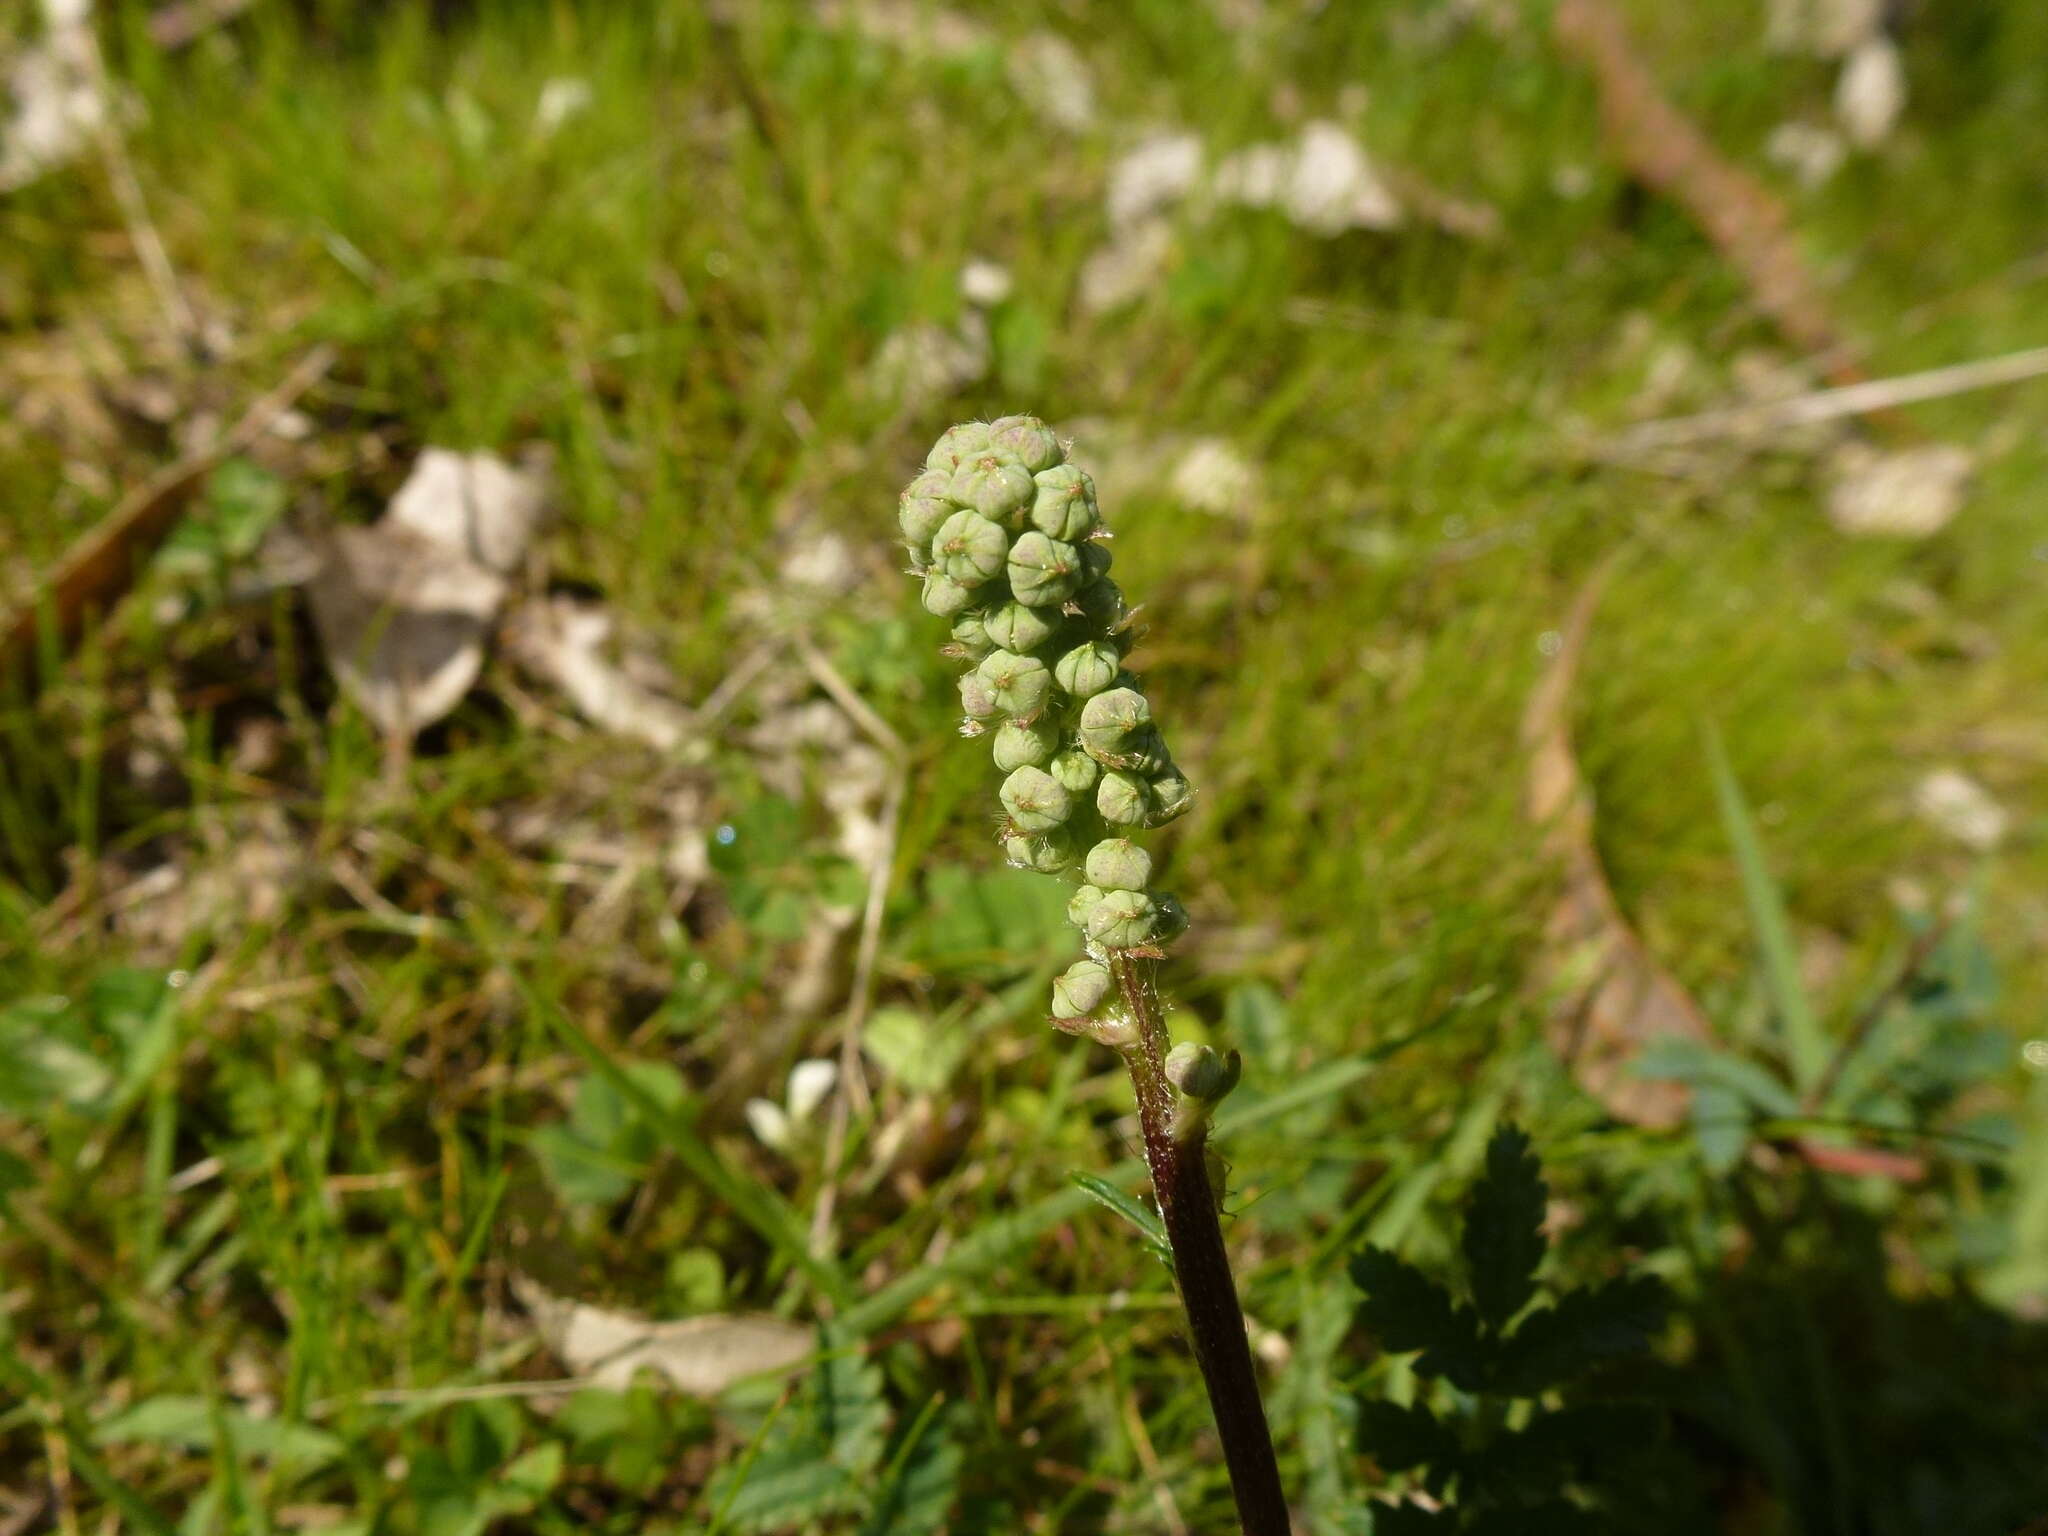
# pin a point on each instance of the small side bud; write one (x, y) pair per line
(921, 508)
(943, 595)
(1122, 919)
(1047, 853)
(1171, 797)
(996, 487)
(1173, 918)
(1118, 864)
(970, 549)
(955, 444)
(1204, 1080)
(1023, 746)
(1044, 572)
(977, 698)
(1080, 989)
(1019, 684)
(1025, 439)
(1085, 900)
(1123, 799)
(1036, 801)
(1088, 669)
(1016, 627)
(970, 634)
(1102, 607)
(1064, 507)
(1109, 721)
(1075, 769)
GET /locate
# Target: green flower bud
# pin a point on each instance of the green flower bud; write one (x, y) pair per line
(1094, 563)
(970, 549)
(996, 487)
(956, 444)
(1019, 684)
(1123, 799)
(1024, 746)
(1118, 864)
(1036, 801)
(970, 634)
(1075, 769)
(922, 508)
(1088, 669)
(1102, 607)
(1110, 722)
(1171, 797)
(1044, 572)
(1064, 506)
(1027, 440)
(1017, 628)
(1084, 901)
(1200, 1073)
(1145, 754)
(977, 698)
(1079, 991)
(1122, 919)
(943, 595)
(1046, 852)
(1173, 919)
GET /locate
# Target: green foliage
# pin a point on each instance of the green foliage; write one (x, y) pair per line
(826, 1451)
(1513, 1450)
(601, 1151)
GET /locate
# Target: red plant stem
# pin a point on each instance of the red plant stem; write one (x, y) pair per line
(1201, 1265)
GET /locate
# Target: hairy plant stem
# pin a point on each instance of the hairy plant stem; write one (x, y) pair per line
(1208, 1293)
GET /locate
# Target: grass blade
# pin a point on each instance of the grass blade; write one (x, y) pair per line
(1805, 1041)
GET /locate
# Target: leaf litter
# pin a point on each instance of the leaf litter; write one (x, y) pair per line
(698, 1356)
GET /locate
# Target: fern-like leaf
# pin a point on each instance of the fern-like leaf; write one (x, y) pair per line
(1504, 1228)
(1408, 1311)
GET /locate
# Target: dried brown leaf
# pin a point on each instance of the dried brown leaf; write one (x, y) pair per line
(403, 619)
(701, 1356)
(1612, 997)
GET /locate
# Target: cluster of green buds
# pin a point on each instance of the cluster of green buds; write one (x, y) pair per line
(1008, 540)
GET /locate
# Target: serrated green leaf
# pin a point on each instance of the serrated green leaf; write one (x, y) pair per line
(1504, 1239)
(1585, 1328)
(1402, 1439)
(1806, 1043)
(1406, 1310)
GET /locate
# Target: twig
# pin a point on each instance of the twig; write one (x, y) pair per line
(1833, 404)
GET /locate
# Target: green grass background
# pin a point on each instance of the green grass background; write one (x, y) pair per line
(686, 314)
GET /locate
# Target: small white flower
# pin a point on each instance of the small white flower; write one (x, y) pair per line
(782, 1127)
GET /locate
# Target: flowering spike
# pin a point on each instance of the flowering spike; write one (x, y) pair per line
(1008, 536)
